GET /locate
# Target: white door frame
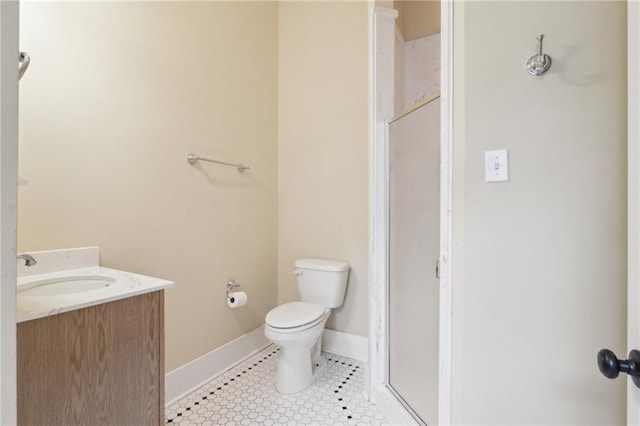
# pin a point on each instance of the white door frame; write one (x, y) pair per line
(9, 36)
(633, 199)
(381, 111)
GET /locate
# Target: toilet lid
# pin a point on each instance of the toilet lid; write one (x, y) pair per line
(294, 314)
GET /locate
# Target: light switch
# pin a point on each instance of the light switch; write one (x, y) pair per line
(496, 166)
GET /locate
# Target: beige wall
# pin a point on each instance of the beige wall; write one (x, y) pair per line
(117, 94)
(418, 18)
(108, 117)
(323, 147)
(540, 261)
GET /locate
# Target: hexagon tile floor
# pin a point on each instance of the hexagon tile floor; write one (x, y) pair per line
(245, 395)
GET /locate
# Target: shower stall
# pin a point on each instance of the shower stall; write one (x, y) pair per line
(411, 225)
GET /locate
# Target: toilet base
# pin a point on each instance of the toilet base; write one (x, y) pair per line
(300, 357)
(294, 371)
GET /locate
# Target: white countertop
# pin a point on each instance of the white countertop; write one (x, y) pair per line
(122, 285)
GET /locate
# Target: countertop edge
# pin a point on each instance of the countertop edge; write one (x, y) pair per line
(152, 284)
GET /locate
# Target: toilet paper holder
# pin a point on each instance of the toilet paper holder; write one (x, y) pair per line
(231, 284)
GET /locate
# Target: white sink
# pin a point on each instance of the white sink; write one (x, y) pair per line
(64, 286)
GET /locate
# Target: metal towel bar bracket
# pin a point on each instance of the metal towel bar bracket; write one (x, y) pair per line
(193, 159)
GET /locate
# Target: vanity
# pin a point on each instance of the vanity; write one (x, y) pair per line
(90, 343)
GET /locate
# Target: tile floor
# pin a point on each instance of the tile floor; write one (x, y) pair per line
(245, 395)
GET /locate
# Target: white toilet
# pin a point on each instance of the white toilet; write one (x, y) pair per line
(297, 326)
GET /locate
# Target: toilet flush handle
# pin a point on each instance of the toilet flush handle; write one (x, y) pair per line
(297, 272)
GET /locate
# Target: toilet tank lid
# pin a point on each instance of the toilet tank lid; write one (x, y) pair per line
(322, 265)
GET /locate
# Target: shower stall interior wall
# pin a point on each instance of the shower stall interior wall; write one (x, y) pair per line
(414, 246)
(417, 70)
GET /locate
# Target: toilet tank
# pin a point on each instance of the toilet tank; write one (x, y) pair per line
(322, 281)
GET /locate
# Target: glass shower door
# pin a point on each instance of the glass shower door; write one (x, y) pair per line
(414, 246)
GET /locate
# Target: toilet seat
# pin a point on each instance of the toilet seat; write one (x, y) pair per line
(294, 315)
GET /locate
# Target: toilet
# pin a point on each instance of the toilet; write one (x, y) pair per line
(297, 327)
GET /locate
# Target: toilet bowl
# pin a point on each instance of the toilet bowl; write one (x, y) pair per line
(297, 327)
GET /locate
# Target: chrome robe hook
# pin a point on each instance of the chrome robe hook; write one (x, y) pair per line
(540, 63)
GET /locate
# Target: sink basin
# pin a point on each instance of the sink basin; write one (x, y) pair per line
(63, 286)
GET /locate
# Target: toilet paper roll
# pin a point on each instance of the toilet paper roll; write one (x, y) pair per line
(237, 299)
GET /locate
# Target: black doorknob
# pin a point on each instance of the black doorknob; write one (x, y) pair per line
(610, 366)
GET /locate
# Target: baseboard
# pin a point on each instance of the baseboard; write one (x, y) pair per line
(346, 344)
(184, 380)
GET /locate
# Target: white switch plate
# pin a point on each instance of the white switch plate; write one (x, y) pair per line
(496, 166)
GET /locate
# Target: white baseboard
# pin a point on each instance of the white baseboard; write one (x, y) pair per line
(345, 344)
(184, 380)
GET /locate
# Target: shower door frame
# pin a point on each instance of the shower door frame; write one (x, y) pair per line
(381, 104)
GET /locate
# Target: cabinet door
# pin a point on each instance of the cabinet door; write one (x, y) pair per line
(101, 365)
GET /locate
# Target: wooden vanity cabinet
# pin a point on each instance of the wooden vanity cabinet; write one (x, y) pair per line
(100, 365)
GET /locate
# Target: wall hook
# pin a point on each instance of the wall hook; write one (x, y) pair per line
(540, 63)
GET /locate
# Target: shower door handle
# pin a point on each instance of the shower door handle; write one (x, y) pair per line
(610, 366)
